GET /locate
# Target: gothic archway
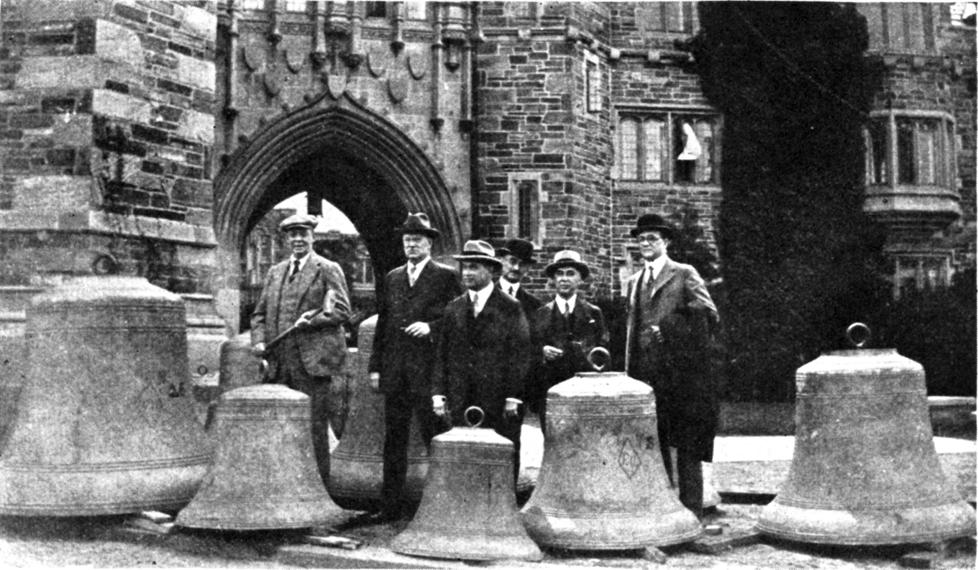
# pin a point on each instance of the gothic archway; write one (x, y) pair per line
(357, 160)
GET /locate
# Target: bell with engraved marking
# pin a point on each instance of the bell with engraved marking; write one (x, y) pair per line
(356, 473)
(106, 420)
(468, 509)
(865, 470)
(602, 484)
(264, 474)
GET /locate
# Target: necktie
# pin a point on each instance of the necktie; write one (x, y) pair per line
(475, 307)
(412, 274)
(295, 270)
(512, 291)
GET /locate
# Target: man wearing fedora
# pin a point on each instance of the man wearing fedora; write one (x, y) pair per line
(564, 331)
(670, 318)
(297, 326)
(483, 350)
(410, 309)
(516, 256)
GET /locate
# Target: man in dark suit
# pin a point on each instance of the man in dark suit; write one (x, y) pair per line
(305, 295)
(516, 256)
(483, 350)
(670, 318)
(564, 331)
(409, 313)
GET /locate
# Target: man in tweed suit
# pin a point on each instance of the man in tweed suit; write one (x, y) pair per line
(305, 294)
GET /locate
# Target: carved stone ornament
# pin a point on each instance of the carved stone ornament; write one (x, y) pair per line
(336, 81)
(418, 64)
(295, 59)
(254, 57)
(377, 61)
(272, 79)
(397, 84)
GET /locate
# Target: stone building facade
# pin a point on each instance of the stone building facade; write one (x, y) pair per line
(160, 132)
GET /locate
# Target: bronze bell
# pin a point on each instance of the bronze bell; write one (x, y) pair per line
(106, 421)
(264, 474)
(468, 509)
(356, 474)
(239, 365)
(864, 471)
(602, 484)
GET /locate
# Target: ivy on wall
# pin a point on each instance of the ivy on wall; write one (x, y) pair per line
(799, 257)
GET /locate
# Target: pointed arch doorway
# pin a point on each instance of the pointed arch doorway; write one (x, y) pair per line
(356, 160)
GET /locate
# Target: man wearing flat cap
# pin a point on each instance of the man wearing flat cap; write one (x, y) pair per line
(297, 325)
(483, 350)
(410, 310)
(516, 255)
(564, 331)
(670, 318)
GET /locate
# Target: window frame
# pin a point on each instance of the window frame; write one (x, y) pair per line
(671, 118)
(944, 157)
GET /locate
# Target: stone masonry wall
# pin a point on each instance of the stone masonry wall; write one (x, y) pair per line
(106, 128)
(533, 125)
(652, 75)
(938, 79)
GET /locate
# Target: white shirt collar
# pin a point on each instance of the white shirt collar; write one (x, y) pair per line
(505, 285)
(480, 297)
(656, 265)
(302, 261)
(420, 265)
(565, 305)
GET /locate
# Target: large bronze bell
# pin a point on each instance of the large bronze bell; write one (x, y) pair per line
(468, 510)
(864, 470)
(264, 474)
(356, 474)
(602, 484)
(106, 421)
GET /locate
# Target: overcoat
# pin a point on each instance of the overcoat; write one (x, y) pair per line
(679, 369)
(405, 362)
(320, 285)
(482, 360)
(576, 336)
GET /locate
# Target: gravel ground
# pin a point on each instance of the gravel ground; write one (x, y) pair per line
(107, 542)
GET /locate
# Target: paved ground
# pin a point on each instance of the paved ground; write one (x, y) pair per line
(108, 542)
(746, 468)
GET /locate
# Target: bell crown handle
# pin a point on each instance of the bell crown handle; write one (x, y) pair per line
(598, 358)
(858, 334)
(472, 409)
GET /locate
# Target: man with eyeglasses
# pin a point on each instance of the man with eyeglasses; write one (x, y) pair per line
(670, 320)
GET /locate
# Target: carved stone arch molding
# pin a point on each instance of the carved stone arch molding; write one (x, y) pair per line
(240, 188)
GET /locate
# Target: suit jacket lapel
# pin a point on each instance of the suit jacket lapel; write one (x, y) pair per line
(306, 276)
(668, 270)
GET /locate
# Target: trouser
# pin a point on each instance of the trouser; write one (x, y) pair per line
(398, 411)
(689, 472)
(293, 374)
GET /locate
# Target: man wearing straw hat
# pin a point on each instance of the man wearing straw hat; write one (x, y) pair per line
(409, 312)
(483, 350)
(670, 317)
(297, 325)
(565, 330)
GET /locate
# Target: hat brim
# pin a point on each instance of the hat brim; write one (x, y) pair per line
(480, 259)
(432, 233)
(503, 251)
(293, 226)
(553, 267)
(666, 231)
